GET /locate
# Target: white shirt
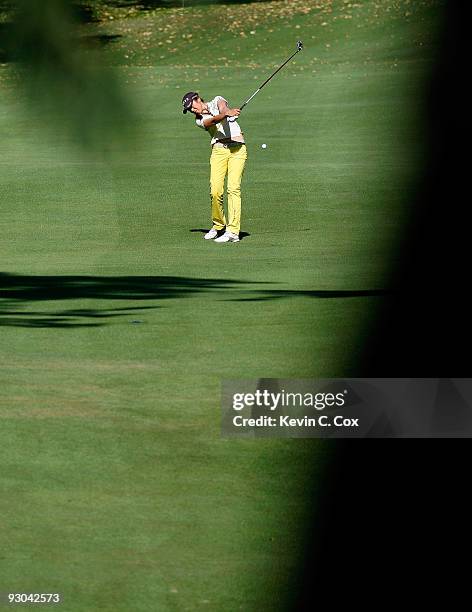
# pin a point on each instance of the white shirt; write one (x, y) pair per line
(220, 131)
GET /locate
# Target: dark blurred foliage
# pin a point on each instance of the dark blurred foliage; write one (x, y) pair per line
(59, 76)
(393, 510)
(424, 328)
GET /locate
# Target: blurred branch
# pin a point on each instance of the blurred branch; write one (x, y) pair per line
(61, 77)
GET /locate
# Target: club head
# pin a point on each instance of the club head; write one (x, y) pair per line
(299, 45)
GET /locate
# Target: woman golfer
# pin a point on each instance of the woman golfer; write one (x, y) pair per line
(228, 156)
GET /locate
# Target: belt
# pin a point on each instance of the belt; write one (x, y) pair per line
(228, 145)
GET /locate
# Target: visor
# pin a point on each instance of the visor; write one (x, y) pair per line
(188, 99)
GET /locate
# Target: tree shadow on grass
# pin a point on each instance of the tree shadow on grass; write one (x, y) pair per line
(19, 292)
(102, 39)
(324, 294)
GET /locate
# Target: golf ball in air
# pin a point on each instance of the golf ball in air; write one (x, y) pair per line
(264, 146)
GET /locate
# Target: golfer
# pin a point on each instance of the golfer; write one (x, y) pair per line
(228, 156)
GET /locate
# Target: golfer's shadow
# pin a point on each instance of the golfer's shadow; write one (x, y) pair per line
(204, 231)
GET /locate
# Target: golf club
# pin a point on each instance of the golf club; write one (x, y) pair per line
(299, 48)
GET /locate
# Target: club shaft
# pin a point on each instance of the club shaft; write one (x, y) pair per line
(271, 76)
(249, 99)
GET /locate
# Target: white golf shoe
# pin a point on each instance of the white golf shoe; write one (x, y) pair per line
(228, 237)
(211, 234)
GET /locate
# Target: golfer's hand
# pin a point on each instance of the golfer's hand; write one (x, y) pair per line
(233, 112)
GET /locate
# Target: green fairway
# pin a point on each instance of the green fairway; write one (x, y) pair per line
(119, 322)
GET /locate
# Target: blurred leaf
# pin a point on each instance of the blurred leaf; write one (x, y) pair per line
(62, 78)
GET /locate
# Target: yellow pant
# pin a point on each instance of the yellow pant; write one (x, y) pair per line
(229, 161)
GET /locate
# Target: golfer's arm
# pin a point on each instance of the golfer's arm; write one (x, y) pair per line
(224, 110)
(215, 119)
(223, 106)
